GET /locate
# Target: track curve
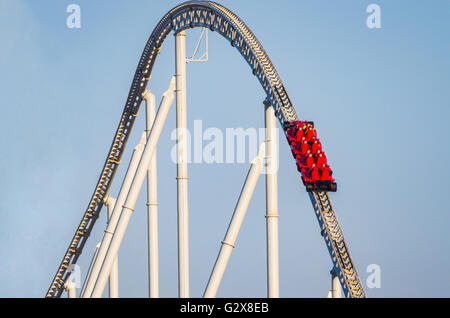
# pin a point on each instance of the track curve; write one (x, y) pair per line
(187, 15)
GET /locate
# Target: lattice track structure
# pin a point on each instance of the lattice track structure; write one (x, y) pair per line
(217, 18)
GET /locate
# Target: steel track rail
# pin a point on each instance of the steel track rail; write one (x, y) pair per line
(189, 15)
(338, 249)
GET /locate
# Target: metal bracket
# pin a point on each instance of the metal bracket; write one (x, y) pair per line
(204, 56)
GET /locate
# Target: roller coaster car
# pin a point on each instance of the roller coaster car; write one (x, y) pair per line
(317, 179)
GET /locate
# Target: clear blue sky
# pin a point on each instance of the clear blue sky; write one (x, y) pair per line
(380, 100)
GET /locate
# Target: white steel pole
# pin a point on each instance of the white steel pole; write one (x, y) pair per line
(182, 176)
(107, 236)
(90, 268)
(70, 287)
(135, 188)
(110, 202)
(336, 289)
(152, 204)
(273, 289)
(233, 229)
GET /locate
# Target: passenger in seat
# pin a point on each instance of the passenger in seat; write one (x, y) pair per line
(316, 146)
(314, 173)
(321, 159)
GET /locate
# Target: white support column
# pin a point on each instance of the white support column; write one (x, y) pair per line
(135, 189)
(107, 236)
(235, 225)
(152, 204)
(70, 287)
(182, 175)
(94, 257)
(336, 289)
(110, 202)
(273, 289)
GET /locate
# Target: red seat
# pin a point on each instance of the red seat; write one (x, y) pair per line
(321, 159)
(309, 160)
(311, 133)
(326, 173)
(304, 147)
(314, 173)
(316, 145)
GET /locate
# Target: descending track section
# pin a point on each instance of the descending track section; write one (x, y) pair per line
(221, 20)
(334, 238)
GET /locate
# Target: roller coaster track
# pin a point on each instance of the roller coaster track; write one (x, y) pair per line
(221, 20)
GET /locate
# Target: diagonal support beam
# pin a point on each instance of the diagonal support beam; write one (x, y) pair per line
(135, 189)
(110, 202)
(235, 225)
(112, 220)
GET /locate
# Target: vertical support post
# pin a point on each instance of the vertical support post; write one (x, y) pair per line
(336, 288)
(114, 276)
(152, 205)
(273, 289)
(233, 229)
(135, 188)
(182, 176)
